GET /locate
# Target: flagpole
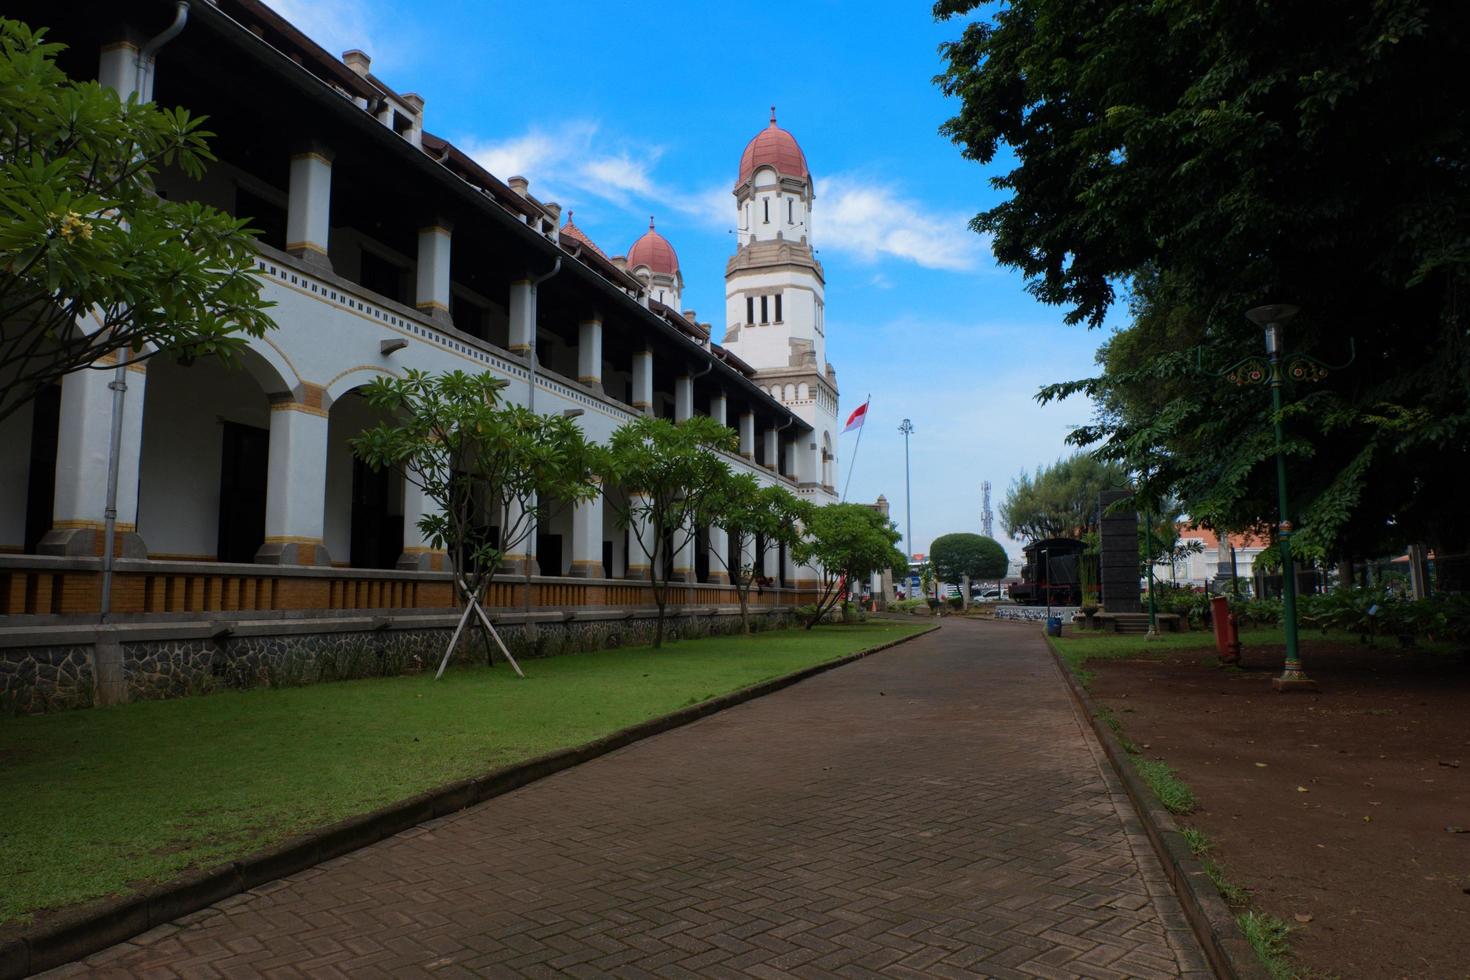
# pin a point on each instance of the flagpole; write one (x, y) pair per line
(855, 447)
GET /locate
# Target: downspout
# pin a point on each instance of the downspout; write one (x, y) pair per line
(143, 86)
(536, 281)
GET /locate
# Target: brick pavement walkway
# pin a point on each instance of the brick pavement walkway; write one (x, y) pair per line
(935, 810)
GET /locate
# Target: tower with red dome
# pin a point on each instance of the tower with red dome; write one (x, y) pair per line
(654, 260)
(775, 294)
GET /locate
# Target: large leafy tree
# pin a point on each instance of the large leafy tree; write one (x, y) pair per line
(484, 465)
(846, 543)
(962, 557)
(672, 474)
(765, 517)
(92, 260)
(1215, 156)
(1059, 500)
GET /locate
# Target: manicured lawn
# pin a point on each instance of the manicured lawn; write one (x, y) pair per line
(93, 802)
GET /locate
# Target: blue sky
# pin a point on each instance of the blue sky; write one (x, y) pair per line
(619, 114)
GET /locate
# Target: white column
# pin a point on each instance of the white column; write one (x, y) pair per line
(789, 467)
(747, 435)
(519, 553)
(295, 494)
(683, 398)
(643, 381)
(788, 568)
(117, 68)
(683, 570)
(771, 564)
(718, 407)
(719, 544)
(522, 313)
(83, 446)
(418, 554)
(747, 553)
(309, 207)
(587, 539)
(638, 554)
(772, 449)
(589, 353)
(431, 294)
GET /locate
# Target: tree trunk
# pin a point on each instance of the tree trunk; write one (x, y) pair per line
(660, 598)
(743, 594)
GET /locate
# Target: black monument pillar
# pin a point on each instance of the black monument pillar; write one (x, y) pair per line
(1118, 566)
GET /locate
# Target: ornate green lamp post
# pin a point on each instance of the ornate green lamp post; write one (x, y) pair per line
(1274, 370)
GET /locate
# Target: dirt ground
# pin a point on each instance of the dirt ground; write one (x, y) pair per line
(1334, 809)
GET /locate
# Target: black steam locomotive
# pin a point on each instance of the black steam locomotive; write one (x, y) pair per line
(1050, 575)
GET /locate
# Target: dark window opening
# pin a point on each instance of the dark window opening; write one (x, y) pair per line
(377, 536)
(381, 276)
(41, 478)
(701, 556)
(548, 553)
(607, 559)
(750, 309)
(790, 211)
(778, 307)
(767, 203)
(244, 464)
(268, 220)
(765, 305)
(468, 316)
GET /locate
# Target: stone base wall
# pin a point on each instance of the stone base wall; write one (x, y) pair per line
(50, 678)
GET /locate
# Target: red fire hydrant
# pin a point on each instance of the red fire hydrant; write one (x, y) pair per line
(1227, 632)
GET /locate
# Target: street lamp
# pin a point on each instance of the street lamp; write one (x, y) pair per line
(907, 428)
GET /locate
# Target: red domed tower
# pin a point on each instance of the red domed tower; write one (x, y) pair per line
(775, 313)
(654, 260)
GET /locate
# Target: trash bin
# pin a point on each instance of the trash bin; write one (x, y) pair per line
(1054, 626)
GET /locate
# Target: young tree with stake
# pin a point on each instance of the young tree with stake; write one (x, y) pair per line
(672, 475)
(766, 516)
(847, 542)
(483, 465)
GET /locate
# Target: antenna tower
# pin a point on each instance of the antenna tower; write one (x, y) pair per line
(987, 519)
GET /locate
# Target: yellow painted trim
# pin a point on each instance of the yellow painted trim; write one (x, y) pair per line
(435, 229)
(432, 304)
(291, 539)
(588, 379)
(306, 247)
(298, 407)
(311, 155)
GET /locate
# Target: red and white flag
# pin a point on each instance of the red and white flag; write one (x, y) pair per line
(857, 418)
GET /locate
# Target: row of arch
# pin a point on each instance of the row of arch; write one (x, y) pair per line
(789, 392)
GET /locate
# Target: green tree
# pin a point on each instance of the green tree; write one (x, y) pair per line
(92, 260)
(1215, 156)
(672, 474)
(1059, 500)
(767, 517)
(962, 557)
(847, 543)
(484, 465)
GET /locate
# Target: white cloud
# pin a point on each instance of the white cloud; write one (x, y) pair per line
(340, 25)
(864, 218)
(574, 161)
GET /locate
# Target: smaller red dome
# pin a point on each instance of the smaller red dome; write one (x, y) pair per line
(776, 148)
(572, 232)
(654, 251)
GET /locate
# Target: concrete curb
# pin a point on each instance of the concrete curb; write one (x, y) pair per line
(1231, 956)
(99, 925)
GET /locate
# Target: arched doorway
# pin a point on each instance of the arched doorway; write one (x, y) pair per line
(363, 520)
(205, 458)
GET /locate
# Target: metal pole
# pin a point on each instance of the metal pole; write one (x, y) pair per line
(907, 428)
(1292, 675)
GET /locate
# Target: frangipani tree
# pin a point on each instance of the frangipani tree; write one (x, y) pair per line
(847, 543)
(672, 474)
(768, 517)
(482, 464)
(92, 261)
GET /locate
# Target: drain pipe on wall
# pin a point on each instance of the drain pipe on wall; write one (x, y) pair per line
(536, 282)
(143, 86)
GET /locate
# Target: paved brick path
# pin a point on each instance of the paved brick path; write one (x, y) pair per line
(935, 810)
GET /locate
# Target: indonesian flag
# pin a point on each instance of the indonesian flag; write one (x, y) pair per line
(857, 418)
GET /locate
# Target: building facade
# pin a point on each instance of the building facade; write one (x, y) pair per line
(384, 248)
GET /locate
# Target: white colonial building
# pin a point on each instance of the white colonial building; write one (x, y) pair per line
(384, 248)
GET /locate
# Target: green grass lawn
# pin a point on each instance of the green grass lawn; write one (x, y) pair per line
(95, 801)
